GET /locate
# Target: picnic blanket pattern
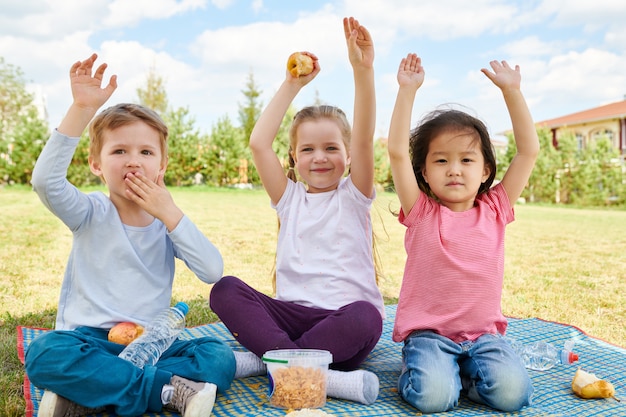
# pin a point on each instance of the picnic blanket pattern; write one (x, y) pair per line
(553, 395)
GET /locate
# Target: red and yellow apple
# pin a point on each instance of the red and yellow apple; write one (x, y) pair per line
(125, 332)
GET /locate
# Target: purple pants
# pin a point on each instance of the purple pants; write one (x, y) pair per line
(261, 323)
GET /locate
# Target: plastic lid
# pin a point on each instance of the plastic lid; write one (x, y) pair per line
(298, 356)
(567, 356)
(182, 307)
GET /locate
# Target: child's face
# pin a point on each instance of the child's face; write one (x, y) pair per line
(320, 156)
(135, 148)
(455, 168)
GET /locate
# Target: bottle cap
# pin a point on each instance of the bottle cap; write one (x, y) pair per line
(182, 307)
(572, 357)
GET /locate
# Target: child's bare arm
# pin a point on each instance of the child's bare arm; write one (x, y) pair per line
(361, 55)
(88, 95)
(508, 80)
(410, 79)
(264, 132)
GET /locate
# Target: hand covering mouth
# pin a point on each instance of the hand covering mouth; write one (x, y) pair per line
(131, 172)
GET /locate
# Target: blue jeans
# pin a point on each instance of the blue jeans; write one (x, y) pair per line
(435, 370)
(82, 365)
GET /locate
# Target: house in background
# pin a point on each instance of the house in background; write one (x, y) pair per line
(588, 125)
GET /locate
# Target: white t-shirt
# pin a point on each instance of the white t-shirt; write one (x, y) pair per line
(324, 254)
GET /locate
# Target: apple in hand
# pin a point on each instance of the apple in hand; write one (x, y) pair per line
(125, 332)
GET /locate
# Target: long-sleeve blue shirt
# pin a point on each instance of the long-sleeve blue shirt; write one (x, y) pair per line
(115, 272)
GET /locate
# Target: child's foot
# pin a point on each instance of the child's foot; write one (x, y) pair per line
(360, 385)
(248, 364)
(53, 405)
(191, 398)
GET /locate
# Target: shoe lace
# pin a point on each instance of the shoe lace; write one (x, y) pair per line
(182, 393)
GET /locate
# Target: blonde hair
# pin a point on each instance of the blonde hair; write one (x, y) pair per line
(121, 115)
(313, 113)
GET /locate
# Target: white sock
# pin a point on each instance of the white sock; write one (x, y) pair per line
(166, 393)
(360, 386)
(248, 364)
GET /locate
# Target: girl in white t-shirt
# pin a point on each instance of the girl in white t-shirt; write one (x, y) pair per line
(326, 292)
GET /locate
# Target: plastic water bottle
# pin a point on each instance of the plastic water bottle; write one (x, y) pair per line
(541, 356)
(157, 337)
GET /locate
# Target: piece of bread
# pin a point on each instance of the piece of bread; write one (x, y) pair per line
(299, 64)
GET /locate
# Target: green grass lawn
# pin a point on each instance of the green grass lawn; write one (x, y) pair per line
(562, 264)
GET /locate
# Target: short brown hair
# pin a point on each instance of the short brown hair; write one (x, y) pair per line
(121, 115)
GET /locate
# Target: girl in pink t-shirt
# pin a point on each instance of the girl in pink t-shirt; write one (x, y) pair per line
(449, 314)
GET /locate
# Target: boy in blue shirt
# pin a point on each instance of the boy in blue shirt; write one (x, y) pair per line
(121, 266)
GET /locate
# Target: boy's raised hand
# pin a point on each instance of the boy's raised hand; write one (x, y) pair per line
(86, 85)
(410, 72)
(88, 95)
(360, 43)
(503, 75)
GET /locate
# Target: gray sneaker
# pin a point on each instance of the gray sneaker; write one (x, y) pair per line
(53, 405)
(191, 398)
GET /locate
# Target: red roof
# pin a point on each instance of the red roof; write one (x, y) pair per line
(609, 111)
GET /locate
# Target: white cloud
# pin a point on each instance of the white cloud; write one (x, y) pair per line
(50, 19)
(441, 20)
(222, 4)
(257, 5)
(130, 12)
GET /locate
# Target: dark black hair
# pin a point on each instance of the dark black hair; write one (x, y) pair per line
(445, 120)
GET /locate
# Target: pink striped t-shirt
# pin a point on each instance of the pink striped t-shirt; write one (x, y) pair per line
(453, 275)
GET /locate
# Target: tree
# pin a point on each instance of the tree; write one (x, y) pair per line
(382, 165)
(154, 95)
(598, 177)
(22, 132)
(225, 153)
(79, 173)
(542, 184)
(250, 111)
(186, 147)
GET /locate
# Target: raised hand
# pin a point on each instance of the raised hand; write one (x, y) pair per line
(410, 72)
(503, 75)
(86, 85)
(88, 95)
(360, 43)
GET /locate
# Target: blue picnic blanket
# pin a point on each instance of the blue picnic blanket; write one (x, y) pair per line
(553, 395)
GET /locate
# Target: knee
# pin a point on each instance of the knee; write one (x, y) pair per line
(45, 354)
(222, 291)
(510, 393)
(513, 396)
(434, 395)
(366, 313)
(221, 356)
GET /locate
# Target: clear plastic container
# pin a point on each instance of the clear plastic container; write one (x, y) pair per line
(157, 337)
(297, 377)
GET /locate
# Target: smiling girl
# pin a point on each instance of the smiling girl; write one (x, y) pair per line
(326, 292)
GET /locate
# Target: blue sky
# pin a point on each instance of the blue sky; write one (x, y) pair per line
(571, 52)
